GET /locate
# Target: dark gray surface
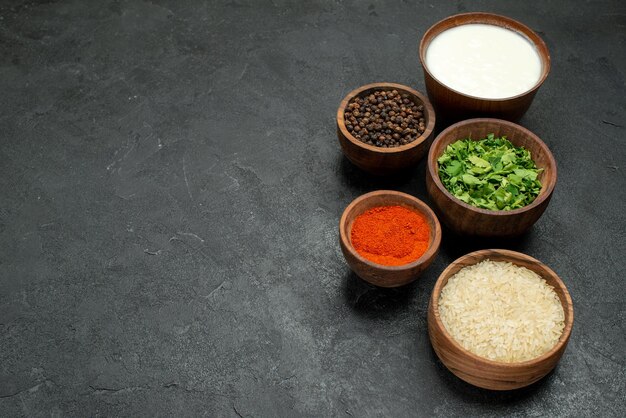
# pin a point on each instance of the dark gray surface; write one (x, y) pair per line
(170, 189)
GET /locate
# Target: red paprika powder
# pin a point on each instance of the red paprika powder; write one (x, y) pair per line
(390, 235)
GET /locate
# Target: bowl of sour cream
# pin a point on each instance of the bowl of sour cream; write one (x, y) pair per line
(482, 65)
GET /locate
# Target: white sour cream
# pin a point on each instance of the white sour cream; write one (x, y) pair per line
(483, 60)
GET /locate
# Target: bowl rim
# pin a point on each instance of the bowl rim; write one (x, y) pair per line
(489, 19)
(418, 205)
(481, 255)
(546, 188)
(430, 123)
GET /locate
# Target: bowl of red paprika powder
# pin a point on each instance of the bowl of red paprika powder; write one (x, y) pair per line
(389, 238)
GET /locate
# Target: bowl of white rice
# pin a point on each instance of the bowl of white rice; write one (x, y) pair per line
(499, 319)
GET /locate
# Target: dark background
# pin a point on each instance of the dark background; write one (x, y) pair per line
(171, 185)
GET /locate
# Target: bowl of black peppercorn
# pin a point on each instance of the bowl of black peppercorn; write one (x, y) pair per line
(385, 127)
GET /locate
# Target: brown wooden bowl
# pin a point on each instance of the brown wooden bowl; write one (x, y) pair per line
(480, 371)
(453, 105)
(469, 220)
(378, 274)
(381, 161)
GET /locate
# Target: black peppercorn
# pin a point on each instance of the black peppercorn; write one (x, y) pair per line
(385, 119)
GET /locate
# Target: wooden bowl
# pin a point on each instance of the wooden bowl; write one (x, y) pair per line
(469, 220)
(453, 105)
(477, 370)
(381, 161)
(378, 274)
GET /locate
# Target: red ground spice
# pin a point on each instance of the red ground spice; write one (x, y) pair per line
(390, 235)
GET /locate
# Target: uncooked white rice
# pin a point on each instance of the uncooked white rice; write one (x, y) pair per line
(501, 311)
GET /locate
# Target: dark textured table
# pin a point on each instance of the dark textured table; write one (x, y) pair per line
(170, 190)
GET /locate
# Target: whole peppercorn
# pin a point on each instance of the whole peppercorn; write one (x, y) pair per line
(386, 119)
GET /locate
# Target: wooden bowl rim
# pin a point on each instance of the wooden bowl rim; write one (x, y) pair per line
(509, 256)
(495, 20)
(546, 190)
(430, 125)
(417, 205)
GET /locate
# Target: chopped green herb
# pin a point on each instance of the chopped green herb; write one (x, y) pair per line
(490, 173)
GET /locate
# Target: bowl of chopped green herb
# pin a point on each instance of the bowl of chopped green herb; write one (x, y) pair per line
(490, 177)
